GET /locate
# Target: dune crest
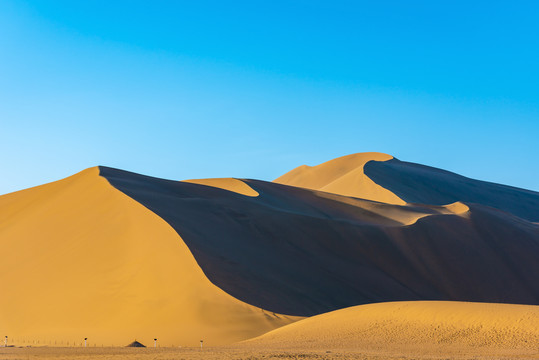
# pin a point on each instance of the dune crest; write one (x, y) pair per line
(88, 261)
(342, 176)
(230, 184)
(418, 327)
(395, 215)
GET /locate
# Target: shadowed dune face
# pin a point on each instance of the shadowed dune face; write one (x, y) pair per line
(303, 252)
(416, 183)
(431, 327)
(82, 259)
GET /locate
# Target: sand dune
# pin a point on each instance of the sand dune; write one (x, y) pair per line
(113, 255)
(379, 213)
(303, 252)
(415, 183)
(419, 327)
(342, 176)
(383, 178)
(81, 259)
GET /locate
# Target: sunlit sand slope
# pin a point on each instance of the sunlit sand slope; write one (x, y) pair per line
(81, 259)
(381, 177)
(230, 184)
(303, 252)
(427, 185)
(418, 327)
(343, 176)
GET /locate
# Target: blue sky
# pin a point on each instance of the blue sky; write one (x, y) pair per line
(253, 89)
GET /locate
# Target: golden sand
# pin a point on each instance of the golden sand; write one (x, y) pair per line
(230, 184)
(414, 327)
(394, 215)
(82, 260)
(342, 176)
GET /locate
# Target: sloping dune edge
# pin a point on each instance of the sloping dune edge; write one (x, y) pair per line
(413, 327)
(130, 277)
(230, 184)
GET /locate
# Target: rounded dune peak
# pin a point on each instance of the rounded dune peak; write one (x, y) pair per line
(457, 208)
(107, 268)
(343, 176)
(230, 184)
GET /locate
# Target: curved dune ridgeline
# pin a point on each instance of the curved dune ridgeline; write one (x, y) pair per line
(303, 252)
(419, 328)
(230, 184)
(81, 259)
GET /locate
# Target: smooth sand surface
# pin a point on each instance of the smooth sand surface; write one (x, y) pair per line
(414, 328)
(342, 176)
(81, 259)
(304, 252)
(230, 184)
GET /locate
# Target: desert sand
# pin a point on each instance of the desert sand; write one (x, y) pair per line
(85, 260)
(393, 330)
(116, 256)
(230, 184)
(304, 252)
(418, 327)
(381, 177)
(342, 176)
(416, 183)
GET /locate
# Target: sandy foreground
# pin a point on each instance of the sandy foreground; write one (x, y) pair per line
(119, 353)
(398, 330)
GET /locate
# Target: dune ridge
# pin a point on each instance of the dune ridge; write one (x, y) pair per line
(342, 176)
(384, 214)
(381, 177)
(416, 183)
(231, 184)
(88, 261)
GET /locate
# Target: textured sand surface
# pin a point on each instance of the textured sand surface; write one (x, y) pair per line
(85, 260)
(418, 327)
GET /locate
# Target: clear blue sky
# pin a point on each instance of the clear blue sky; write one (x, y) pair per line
(191, 89)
